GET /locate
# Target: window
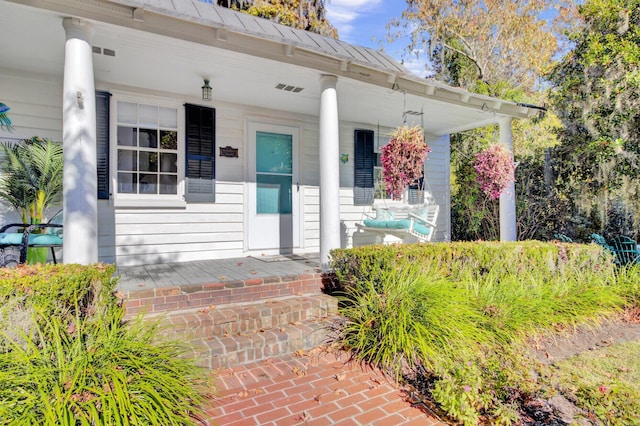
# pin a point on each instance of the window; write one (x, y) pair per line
(147, 149)
(201, 145)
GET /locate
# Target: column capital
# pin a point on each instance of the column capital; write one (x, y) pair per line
(328, 80)
(78, 28)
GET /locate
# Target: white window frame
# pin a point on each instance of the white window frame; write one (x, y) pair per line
(147, 200)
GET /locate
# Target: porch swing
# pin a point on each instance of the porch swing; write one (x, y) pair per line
(416, 217)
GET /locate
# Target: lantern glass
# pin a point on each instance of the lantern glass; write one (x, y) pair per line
(206, 91)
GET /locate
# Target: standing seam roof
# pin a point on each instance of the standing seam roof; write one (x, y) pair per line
(217, 16)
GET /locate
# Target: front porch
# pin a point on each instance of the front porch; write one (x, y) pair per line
(200, 284)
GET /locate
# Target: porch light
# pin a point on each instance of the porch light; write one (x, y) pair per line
(206, 91)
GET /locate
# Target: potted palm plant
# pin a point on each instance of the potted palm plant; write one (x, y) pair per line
(31, 181)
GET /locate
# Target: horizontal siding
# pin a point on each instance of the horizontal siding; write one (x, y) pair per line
(132, 236)
(311, 217)
(36, 105)
(437, 169)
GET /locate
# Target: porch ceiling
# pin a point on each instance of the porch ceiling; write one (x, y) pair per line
(33, 41)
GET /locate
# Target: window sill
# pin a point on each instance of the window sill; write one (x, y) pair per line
(150, 204)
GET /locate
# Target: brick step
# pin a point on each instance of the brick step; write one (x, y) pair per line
(228, 335)
(202, 296)
(227, 320)
(244, 347)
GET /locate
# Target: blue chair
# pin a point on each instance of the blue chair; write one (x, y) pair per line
(50, 238)
(626, 250)
(602, 242)
(562, 237)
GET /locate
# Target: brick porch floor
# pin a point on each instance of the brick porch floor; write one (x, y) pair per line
(313, 388)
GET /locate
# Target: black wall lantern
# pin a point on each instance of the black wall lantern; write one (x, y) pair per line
(206, 91)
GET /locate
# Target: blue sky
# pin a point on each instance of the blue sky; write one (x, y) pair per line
(363, 22)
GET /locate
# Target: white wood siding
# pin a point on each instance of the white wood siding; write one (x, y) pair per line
(35, 101)
(141, 235)
(437, 173)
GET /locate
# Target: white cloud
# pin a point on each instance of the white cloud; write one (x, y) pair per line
(416, 62)
(342, 13)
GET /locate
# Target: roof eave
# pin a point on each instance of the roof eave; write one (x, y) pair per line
(154, 19)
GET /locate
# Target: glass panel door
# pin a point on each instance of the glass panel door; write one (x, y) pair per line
(274, 171)
(273, 190)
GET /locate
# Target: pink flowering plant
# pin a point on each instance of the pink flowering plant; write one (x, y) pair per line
(403, 159)
(494, 170)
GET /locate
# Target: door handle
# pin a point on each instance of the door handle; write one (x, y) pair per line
(298, 186)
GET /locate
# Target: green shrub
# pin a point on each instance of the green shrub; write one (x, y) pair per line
(74, 361)
(457, 316)
(409, 319)
(468, 261)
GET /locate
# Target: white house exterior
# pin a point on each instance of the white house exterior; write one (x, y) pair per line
(155, 174)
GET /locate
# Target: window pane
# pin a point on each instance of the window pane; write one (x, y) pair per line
(127, 136)
(274, 153)
(168, 162)
(168, 139)
(127, 183)
(148, 183)
(127, 113)
(148, 138)
(140, 163)
(169, 118)
(168, 184)
(379, 184)
(148, 161)
(127, 160)
(273, 194)
(148, 116)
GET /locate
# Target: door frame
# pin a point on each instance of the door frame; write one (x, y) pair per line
(253, 125)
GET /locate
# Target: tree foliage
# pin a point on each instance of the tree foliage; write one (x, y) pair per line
(497, 48)
(475, 43)
(303, 14)
(597, 96)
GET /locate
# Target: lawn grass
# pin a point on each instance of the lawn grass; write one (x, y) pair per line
(605, 382)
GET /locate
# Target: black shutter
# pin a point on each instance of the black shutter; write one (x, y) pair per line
(102, 143)
(201, 145)
(364, 160)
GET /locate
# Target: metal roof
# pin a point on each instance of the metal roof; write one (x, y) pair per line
(221, 17)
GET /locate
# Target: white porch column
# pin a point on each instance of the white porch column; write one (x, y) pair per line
(329, 169)
(79, 142)
(508, 196)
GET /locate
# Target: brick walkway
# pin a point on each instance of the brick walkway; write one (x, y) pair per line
(312, 388)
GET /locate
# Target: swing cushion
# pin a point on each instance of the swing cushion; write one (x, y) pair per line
(421, 229)
(385, 220)
(388, 224)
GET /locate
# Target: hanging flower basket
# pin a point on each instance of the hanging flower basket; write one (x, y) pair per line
(403, 159)
(495, 170)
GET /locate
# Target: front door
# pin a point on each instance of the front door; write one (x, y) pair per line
(273, 204)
